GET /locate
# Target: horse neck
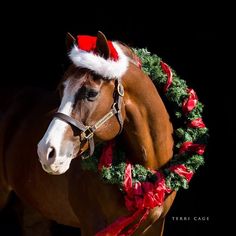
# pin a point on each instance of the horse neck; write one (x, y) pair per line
(147, 128)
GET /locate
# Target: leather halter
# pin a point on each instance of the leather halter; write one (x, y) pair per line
(88, 130)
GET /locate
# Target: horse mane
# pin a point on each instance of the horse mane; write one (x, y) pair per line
(128, 51)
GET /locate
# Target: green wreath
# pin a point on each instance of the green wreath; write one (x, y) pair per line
(191, 137)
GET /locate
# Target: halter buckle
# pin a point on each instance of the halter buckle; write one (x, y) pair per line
(88, 135)
(120, 90)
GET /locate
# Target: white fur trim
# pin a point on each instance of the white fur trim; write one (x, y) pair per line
(108, 69)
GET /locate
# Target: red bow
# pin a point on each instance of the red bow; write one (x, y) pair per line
(192, 147)
(190, 103)
(196, 123)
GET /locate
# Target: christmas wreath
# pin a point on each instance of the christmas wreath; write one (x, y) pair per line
(143, 188)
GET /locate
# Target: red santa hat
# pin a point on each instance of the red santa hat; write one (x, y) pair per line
(84, 54)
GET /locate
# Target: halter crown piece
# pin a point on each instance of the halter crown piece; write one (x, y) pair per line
(84, 54)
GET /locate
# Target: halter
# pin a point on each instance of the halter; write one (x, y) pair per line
(88, 130)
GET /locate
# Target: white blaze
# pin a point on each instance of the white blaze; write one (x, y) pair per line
(57, 128)
(54, 142)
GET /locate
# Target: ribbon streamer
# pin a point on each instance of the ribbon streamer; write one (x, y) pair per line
(168, 72)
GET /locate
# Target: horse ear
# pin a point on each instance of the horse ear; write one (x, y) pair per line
(102, 46)
(70, 41)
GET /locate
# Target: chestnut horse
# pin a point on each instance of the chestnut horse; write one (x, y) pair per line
(67, 193)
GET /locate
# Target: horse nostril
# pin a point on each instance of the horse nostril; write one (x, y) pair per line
(51, 153)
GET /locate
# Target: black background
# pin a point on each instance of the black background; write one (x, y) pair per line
(194, 40)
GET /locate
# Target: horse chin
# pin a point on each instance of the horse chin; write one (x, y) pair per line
(56, 169)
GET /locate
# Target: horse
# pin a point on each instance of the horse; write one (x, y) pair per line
(85, 117)
(94, 107)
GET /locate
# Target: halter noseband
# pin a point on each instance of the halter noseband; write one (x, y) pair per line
(88, 130)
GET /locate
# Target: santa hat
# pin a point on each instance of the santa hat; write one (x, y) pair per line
(85, 54)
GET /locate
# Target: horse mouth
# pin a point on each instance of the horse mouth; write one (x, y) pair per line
(57, 171)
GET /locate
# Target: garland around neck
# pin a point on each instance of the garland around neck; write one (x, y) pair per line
(145, 189)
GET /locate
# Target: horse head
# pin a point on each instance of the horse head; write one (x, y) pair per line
(91, 109)
(103, 91)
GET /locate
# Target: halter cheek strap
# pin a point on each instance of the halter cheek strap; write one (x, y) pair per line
(88, 130)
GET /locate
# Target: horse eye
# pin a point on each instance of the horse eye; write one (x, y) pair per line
(92, 94)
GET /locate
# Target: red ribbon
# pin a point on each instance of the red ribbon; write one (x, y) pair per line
(144, 215)
(190, 103)
(116, 227)
(197, 123)
(88, 43)
(121, 223)
(192, 147)
(140, 198)
(168, 72)
(145, 195)
(128, 178)
(106, 157)
(182, 171)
